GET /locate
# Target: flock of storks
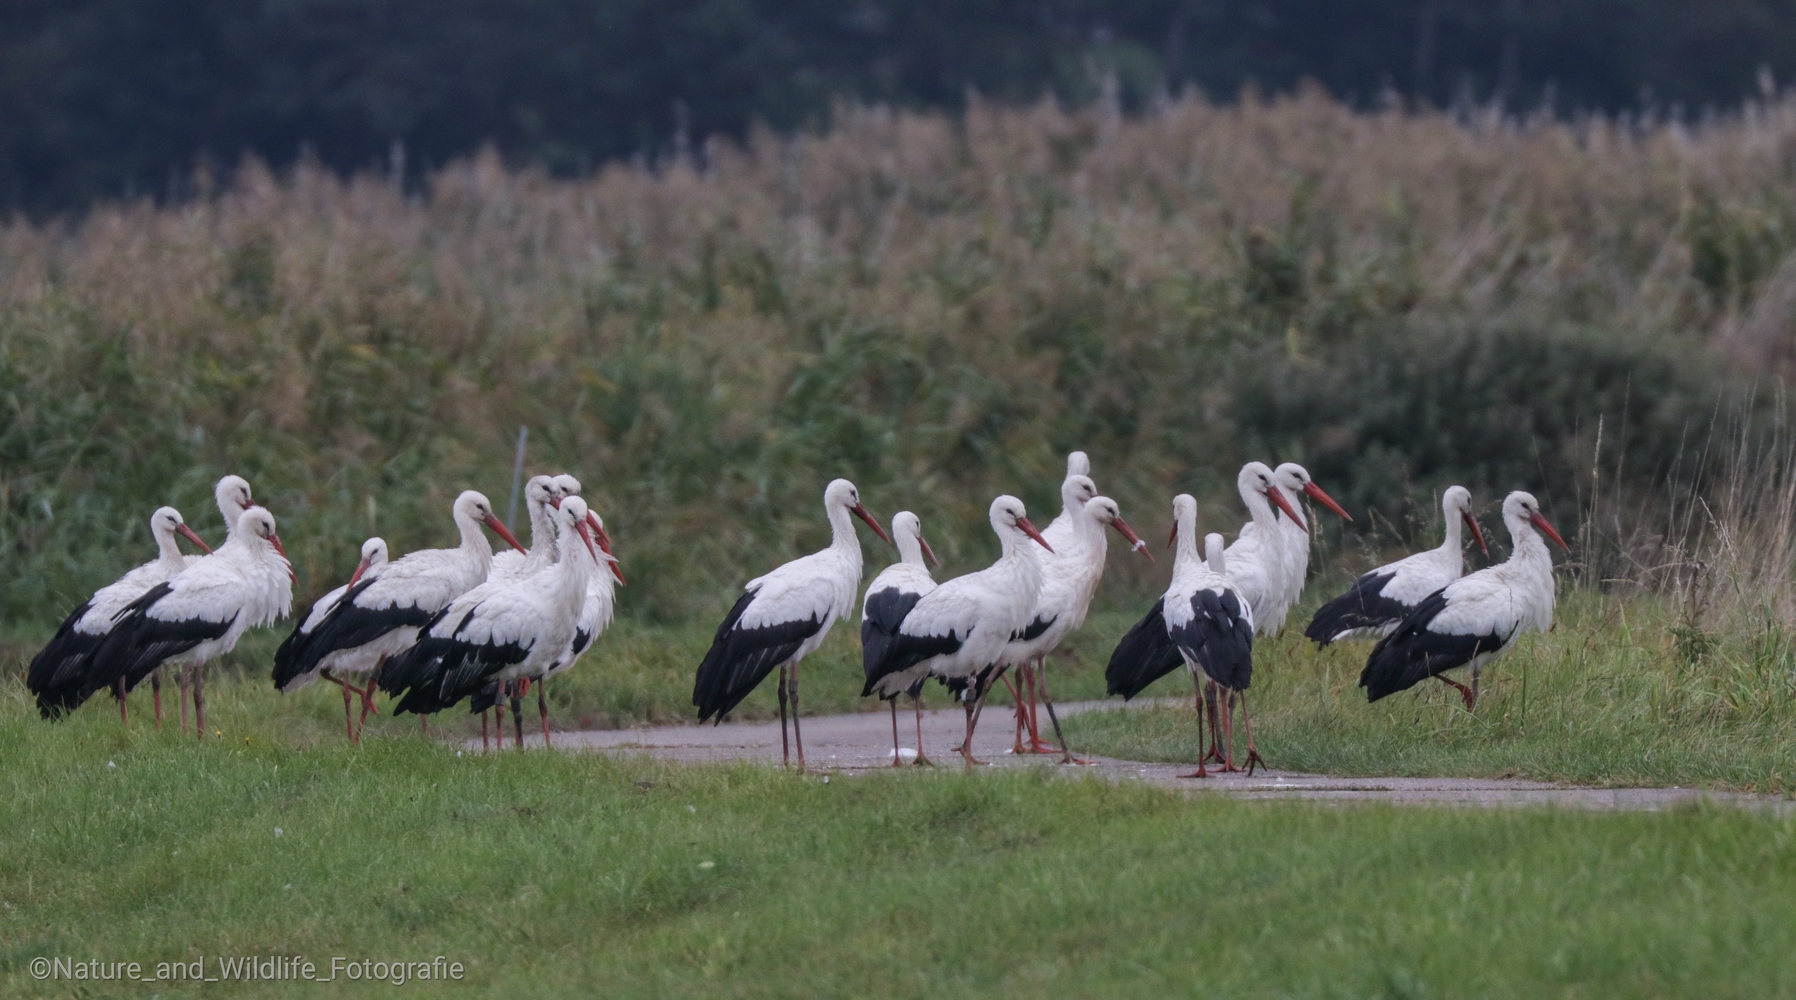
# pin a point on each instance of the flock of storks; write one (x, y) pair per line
(440, 626)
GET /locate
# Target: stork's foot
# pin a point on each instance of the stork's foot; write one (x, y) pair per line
(1470, 696)
(1066, 757)
(922, 761)
(1213, 757)
(1199, 773)
(1037, 745)
(1254, 758)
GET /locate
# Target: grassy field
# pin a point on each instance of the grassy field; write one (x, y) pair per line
(547, 874)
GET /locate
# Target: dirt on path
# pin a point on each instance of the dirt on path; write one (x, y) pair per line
(862, 742)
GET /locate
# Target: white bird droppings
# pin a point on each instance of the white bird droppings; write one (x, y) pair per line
(277, 831)
(111, 764)
(707, 864)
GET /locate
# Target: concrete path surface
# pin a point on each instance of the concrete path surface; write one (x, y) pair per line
(862, 742)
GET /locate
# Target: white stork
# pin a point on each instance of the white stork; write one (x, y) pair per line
(1378, 600)
(1069, 579)
(1066, 534)
(356, 660)
(1474, 619)
(1292, 480)
(1259, 562)
(891, 596)
(202, 611)
(1202, 621)
(59, 670)
(502, 629)
(957, 632)
(381, 616)
(595, 616)
(784, 615)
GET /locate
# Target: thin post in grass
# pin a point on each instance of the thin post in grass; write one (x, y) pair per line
(517, 477)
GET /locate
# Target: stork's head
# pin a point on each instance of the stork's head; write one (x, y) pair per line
(566, 486)
(1103, 510)
(570, 521)
(1296, 479)
(906, 529)
(256, 526)
(1522, 508)
(540, 491)
(1258, 477)
(473, 506)
(1184, 512)
(1077, 490)
(233, 496)
(1007, 514)
(1457, 502)
(167, 522)
(841, 493)
(374, 556)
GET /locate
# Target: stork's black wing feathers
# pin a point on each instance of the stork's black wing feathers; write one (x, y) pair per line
(346, 627)
(1144, 655)
(1034, 629)
(740, 658)
(1413, 653)
(440, 670)
(1362, 606)
(59, 670)
(411, 667)
(906, 651)
(1218, 638)
(883, 612)
(139, 644)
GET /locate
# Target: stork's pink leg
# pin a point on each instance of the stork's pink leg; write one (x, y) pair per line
(181, 682)
(123, 714)
(424, 725)
(1470, 696)
(897, 758)
(156, 694)
(484, 745)
(921, 760)
(797, 733)
(542, 706)
(1016, 698)
(1197, 702)
(199, 700)
(499, 713)
(517, 710)
(785, 747)
(1215, 753)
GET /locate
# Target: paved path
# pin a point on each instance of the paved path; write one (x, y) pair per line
(859, 743)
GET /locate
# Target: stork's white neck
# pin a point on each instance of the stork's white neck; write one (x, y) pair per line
(168, 553)
(1257, 507)
(473, 540)
(575, 564)
(909, 549)
(1529, 549)
(1296, 502)
(1451, 542)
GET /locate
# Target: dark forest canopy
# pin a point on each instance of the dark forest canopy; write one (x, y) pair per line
(101, 98)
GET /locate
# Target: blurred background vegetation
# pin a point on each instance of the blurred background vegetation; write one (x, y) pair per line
(713, 254)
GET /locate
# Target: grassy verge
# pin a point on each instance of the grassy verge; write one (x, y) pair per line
(1619, 693)
(547, 874)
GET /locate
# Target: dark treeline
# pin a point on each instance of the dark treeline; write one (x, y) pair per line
(102, 98)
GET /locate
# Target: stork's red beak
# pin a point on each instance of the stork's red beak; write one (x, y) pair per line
(1477, 532)
(1547, 529)
(1277, 496)
(1029, 529)
(356, 577)
(586, 536)
(1324, 499)
(275, 540)
(1173, 535)
(1135, 542)
(502, 531)
(598, 531)
(188, 534)
(861, 512)
(929, 553)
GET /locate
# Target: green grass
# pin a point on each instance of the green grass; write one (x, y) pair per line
(1619, 693)
(555, 875)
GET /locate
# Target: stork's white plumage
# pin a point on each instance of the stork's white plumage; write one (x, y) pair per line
(541, 494)
(784, 615)
(58, 672)
(891, 596)
(1378, 600)
(381, 616)
(1069, 580)
(232, 494)
(958, 631)
(1202, 621)
(601, 590)
(502, 629)
(1259, 562)
(1294, 482)
(1474, 619)
(202, 611)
